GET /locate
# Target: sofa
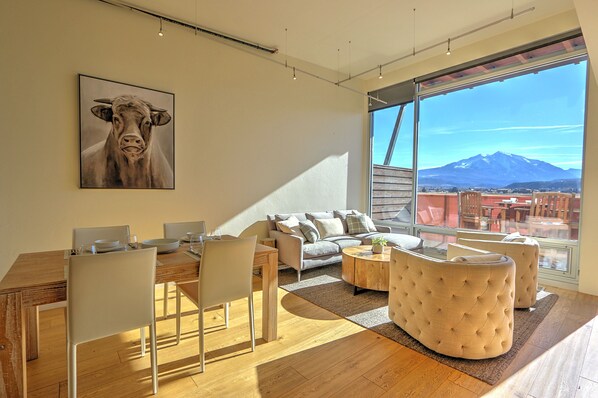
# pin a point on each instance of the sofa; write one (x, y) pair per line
(524, 250)
(462, 307)
(301, 252)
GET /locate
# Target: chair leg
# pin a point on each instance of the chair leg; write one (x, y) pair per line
(226, 315)
(298, 275)
(72, 370)
(142, 340)
(251, 322)
(165, 300)
(178, 315)
(154, 357)
(202, 357)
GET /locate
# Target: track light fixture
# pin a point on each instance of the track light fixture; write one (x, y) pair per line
(294, 75)
(448, 50)
(380, 73)
(161, 32)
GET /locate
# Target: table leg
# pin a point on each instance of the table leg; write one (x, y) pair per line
(270, 298)
(12, 346)
(32, 331)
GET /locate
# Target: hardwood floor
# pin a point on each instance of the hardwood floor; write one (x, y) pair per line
(317, 355)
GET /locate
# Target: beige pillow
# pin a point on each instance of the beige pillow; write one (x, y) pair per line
(368, 220)
(329, 227)
(287, 226)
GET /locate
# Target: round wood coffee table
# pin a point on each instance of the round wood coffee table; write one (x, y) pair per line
(364, 269)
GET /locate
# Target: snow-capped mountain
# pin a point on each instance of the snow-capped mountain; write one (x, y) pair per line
(493, 171)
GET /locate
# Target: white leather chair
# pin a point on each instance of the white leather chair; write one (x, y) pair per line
(83, 236)
(225, 275)
(88, 235)
(462, 307)
(525, 251)
(109, 294)
(177, 230)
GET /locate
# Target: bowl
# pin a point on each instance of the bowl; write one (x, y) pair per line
(106, 243)
(163, 245)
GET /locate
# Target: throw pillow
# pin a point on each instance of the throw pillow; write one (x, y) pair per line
(368, 220)
(313, 216)
(329, 227)
(310, 231)
(342, 214)
(287, 225)
(514, 237)
(357, 224)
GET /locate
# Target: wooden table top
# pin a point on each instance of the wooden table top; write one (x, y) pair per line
(365, 252)
(46, 269)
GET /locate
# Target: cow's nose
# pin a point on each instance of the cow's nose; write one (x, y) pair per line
(133, 140)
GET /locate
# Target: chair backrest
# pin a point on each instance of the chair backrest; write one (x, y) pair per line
(83, 236)
(110, 293)
(470, 203)
(225, 271)
(176, 230)
(552, 205)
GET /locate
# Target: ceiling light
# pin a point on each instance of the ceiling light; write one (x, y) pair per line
(380, 74)
(448, 49)
(161, 32)
(294, 76)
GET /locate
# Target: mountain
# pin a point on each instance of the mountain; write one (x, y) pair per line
(493, 171)
(568, 185)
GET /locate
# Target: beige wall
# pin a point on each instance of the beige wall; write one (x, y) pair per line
(588, 279)
(249, 140)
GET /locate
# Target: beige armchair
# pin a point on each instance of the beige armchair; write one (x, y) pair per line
(525, 254)
(461, 308)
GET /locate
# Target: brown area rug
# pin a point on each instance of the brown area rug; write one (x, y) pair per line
(325, 288)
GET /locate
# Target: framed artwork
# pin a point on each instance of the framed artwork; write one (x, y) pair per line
(126, 135)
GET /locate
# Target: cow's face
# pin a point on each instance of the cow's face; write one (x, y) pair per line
(132, 123)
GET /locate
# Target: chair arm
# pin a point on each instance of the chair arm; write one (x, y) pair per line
(290, 248)
(494, 236)
(383, 228)
(456, 250)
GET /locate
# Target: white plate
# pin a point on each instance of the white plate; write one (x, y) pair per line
(110, 249)
(163, 245)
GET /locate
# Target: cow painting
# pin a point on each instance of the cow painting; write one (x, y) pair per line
(131, 156)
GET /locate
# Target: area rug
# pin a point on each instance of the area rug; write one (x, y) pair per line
(325, 288)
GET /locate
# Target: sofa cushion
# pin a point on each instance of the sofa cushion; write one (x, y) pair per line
(342, 214)
(283, 217)
(344, 241)
(288, 226)
(309, 230)
(313, 216)
(320, 248)
(357, 224)
(329, 227)
(368, 220)
(407, 242)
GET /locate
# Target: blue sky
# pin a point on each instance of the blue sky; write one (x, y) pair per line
(538, 115)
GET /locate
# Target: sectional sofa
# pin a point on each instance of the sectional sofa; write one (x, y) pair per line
(302, 248)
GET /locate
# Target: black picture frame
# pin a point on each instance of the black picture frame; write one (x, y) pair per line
(126, 135)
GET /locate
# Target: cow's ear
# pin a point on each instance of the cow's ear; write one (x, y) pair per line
(160, 118)
(104, 112)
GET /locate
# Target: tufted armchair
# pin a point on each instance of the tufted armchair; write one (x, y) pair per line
(524, 251)
(461, 308)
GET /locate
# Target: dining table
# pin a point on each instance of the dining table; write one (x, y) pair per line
(39, 278)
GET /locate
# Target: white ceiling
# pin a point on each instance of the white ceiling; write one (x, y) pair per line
(319, 31)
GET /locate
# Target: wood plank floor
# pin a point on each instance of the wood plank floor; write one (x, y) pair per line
(317, 354)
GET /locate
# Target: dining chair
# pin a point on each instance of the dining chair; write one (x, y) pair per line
(225, 275)
(470, 209)
(108, 294)
(177, 230)
(550, 214)
(87, 235)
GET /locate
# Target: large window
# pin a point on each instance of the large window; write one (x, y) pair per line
(498, 148)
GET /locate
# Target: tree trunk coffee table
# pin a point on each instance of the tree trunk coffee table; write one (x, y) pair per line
(366, 270)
